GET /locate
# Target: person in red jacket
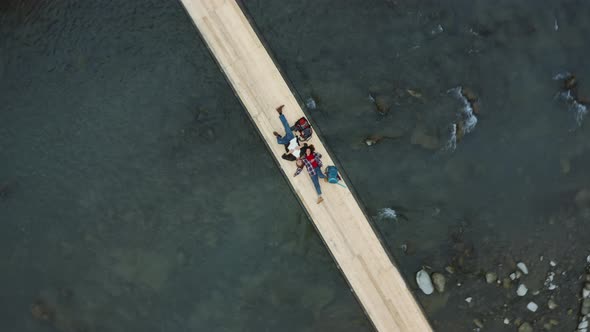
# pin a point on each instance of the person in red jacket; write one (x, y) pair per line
(313, 163)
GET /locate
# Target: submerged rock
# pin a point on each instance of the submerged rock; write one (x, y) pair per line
(439, 281)
(522, 290)
(525, 327)
(582, 198)
(478, 323)
(551, 304)
(424, 282)
(42, 311)
(532, 306)
(311, 104)
(422, 138)
(521, 266)
(491, 277)
(570, 82)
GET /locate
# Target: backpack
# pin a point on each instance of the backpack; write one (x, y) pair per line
(332, 172)
(303, 127)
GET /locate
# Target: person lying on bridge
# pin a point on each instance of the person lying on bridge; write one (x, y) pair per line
(290, 141)
(313, 163)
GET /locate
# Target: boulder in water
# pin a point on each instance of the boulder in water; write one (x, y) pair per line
(439, 281)
(522, 290)
(424, 282)
(469, 95)
(532, 306)
(521, 266)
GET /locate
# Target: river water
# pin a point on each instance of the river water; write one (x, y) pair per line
(137, 196)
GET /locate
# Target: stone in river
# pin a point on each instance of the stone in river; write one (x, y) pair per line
(532, 306)
(439, 281)
(506, 283)
(521, 266)
(525, 327)
(522, 290)
(491, 277)
(424, 282)
(478, 323)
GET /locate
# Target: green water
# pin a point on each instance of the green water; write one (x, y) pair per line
(141, 198)
(137, 196)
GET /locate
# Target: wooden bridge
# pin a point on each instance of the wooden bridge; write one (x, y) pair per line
(374, 279)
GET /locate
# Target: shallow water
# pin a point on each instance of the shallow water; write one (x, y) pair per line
(138, 196)
(507, 192)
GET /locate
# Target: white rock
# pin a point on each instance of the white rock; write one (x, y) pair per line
(588, 259)
(506, 321)
(551, 286)
(541, 258)
(424, 282)
(553, 263)
(512, 276)
(521, 266)
(469, 299)
(536, 292)
(551, 304)
(583, 325)
(532, 306)
(522, 290)
(585, 293)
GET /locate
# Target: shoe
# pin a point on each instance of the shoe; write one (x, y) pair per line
(320, 199)
(280, 109)
(276, 134)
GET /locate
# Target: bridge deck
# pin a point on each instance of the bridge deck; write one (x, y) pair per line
(344, 228)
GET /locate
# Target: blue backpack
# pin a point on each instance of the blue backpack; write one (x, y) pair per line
(332, 172)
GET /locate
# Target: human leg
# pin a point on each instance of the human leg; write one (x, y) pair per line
(288, 132)
(320, 173)
(316, 184)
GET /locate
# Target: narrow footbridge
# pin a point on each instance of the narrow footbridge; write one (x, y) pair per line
(374, 279)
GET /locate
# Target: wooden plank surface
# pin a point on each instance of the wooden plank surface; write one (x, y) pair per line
(255, 78)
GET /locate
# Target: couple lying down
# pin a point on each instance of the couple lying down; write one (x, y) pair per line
(304, 156)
